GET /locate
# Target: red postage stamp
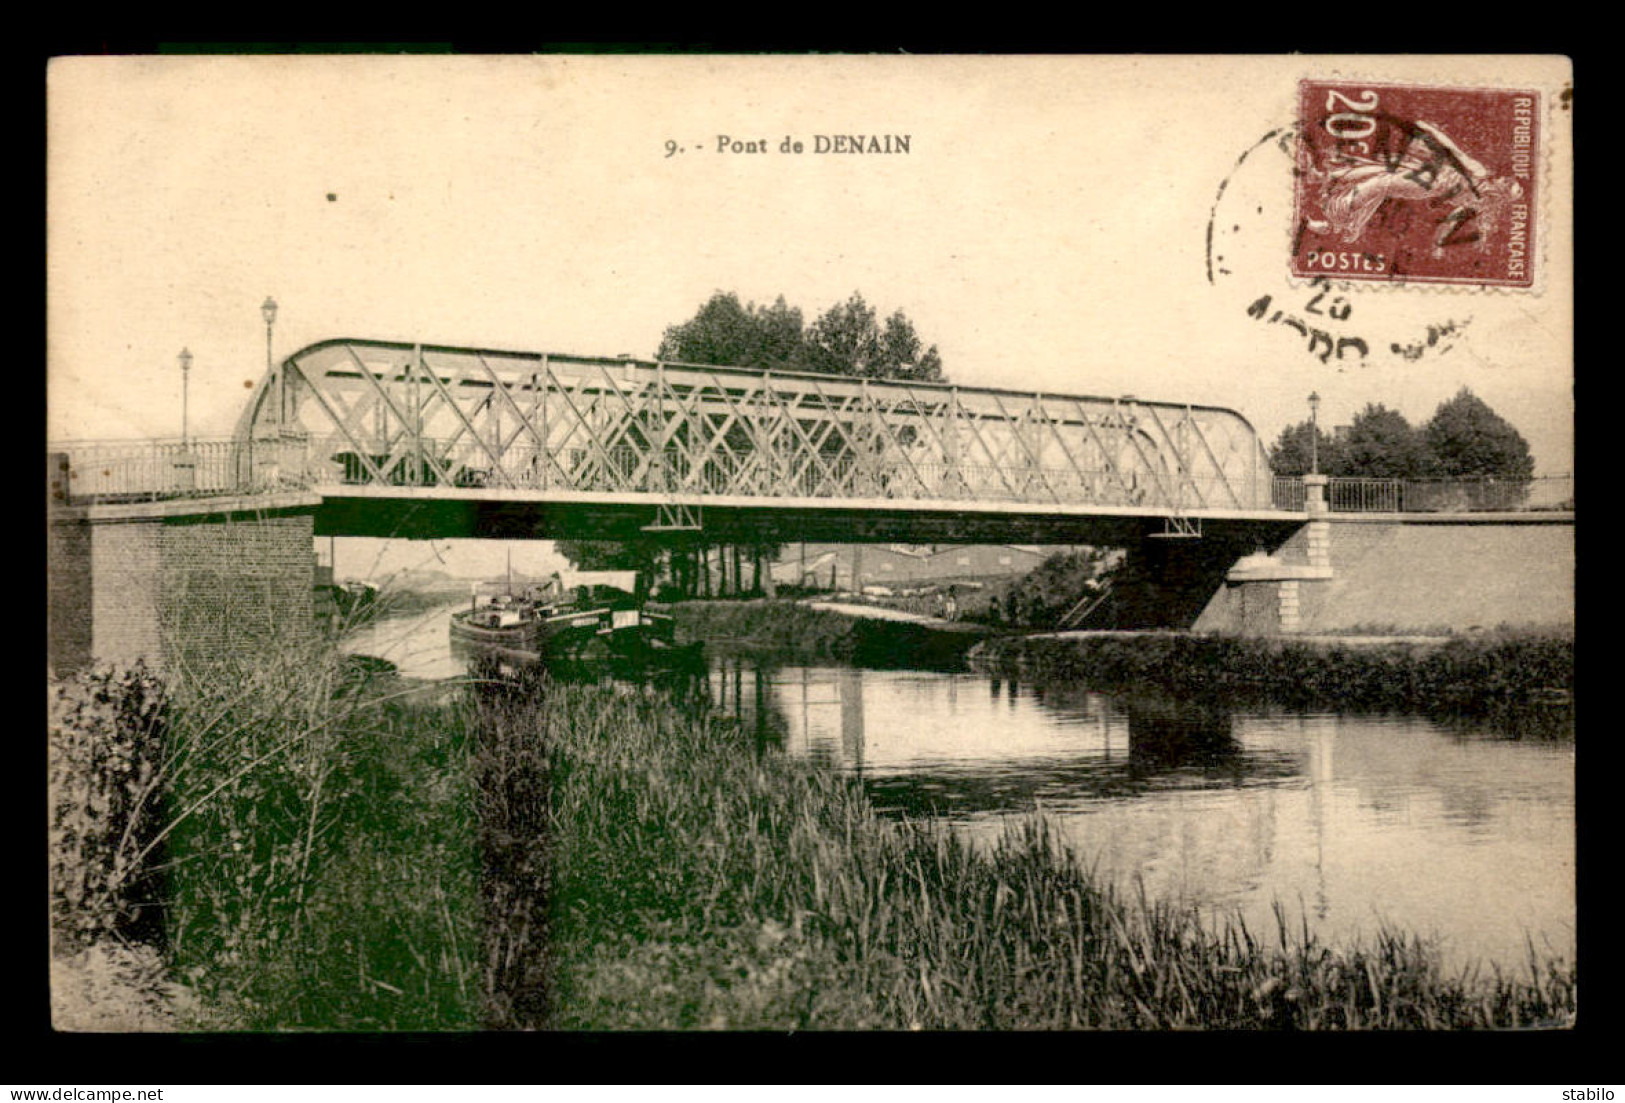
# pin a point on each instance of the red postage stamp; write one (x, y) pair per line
(1415, 184)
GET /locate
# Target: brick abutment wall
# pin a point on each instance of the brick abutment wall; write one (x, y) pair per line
(176, 590)
(234, 586)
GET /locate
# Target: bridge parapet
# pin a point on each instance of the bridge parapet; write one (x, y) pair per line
(116, 471)
(1546, 493)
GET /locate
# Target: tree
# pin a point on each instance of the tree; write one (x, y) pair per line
(847, 340)
(727, 333)
(1381, 444)
(1291, 453)
(607, 555)
(1466, 438)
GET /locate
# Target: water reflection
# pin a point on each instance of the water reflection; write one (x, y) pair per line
(937, 744)
(1348, 821)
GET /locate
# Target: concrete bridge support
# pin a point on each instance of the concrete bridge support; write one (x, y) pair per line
(1408, 573)
(178, 584)
(1168, 582)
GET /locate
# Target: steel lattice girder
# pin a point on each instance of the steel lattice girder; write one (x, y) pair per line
(393, 414)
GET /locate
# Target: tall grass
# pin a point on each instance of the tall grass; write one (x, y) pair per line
(786, 629)
(677, 878)
(1496, 673)
(303, 832)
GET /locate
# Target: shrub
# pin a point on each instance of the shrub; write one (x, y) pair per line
(107, 770)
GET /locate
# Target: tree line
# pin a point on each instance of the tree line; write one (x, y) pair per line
(847, 339)
(1464, 438)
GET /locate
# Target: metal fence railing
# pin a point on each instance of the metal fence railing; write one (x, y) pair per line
(1365, 495)
(1286, 492)
(1465, 495)
(134, 471)
(103, 471)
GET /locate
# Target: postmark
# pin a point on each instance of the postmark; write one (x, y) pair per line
(1327, 318)
(1416, 184)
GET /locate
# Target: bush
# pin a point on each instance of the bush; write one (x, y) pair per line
(292, 832)
(107, 771)
(327, 857)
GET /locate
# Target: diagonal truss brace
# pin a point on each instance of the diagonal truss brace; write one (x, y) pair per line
(675, 517)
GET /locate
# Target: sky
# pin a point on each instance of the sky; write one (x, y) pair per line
(1082, 225)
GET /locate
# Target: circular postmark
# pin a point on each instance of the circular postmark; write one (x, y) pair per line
(1330, 316)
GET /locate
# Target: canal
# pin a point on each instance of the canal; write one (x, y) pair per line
(1347, 822)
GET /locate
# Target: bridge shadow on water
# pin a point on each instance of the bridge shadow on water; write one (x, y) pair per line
(1169, 745)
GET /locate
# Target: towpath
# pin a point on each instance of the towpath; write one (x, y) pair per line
(878, 612)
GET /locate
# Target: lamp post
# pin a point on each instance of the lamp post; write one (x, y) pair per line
(1314, 433)
(186, 371)
(268, 311)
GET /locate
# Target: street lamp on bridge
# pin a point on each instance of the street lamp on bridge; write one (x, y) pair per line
(268, 311)
(1314, 433)
(186, 371)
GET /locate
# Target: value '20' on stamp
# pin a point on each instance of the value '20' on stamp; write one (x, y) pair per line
(1406, 183)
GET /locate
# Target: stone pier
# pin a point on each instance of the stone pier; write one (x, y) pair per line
(177, 582)
(1419, 572)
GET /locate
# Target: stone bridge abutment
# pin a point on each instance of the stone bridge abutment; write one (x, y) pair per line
(179, 582)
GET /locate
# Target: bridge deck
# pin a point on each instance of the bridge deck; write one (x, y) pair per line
(448, 511)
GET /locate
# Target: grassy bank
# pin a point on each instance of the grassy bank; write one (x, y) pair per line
(1502, 672)
(788, 629)
(679, 878)
(291, 839)
(307, 846)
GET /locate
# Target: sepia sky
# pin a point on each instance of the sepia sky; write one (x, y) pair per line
(1048, 228)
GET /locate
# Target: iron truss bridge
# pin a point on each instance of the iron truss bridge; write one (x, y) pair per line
(416, 439)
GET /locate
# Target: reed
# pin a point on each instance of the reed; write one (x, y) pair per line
(295, 832)
(689, 879)
(1501, 672)
(787, 629)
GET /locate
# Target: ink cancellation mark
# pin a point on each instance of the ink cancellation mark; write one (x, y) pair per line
(1329, 317)
(1415, 184)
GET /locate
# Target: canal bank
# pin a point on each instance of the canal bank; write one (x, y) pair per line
(1478, 674)
(1212, 810)
(640, 863)
(688, 880)
(1472, 675)
(821, 631)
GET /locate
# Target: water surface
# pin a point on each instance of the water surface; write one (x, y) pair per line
(1350, 821)
(1458, 833)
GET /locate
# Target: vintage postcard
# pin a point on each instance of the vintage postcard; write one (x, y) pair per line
(700, 542)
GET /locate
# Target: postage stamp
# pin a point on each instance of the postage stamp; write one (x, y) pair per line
(1408, 183)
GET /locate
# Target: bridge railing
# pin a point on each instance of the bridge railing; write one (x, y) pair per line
(1365, 495)
(1286, 492)
(1442, 495)
(119, 471)
(133, 471)
(1547, 493)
